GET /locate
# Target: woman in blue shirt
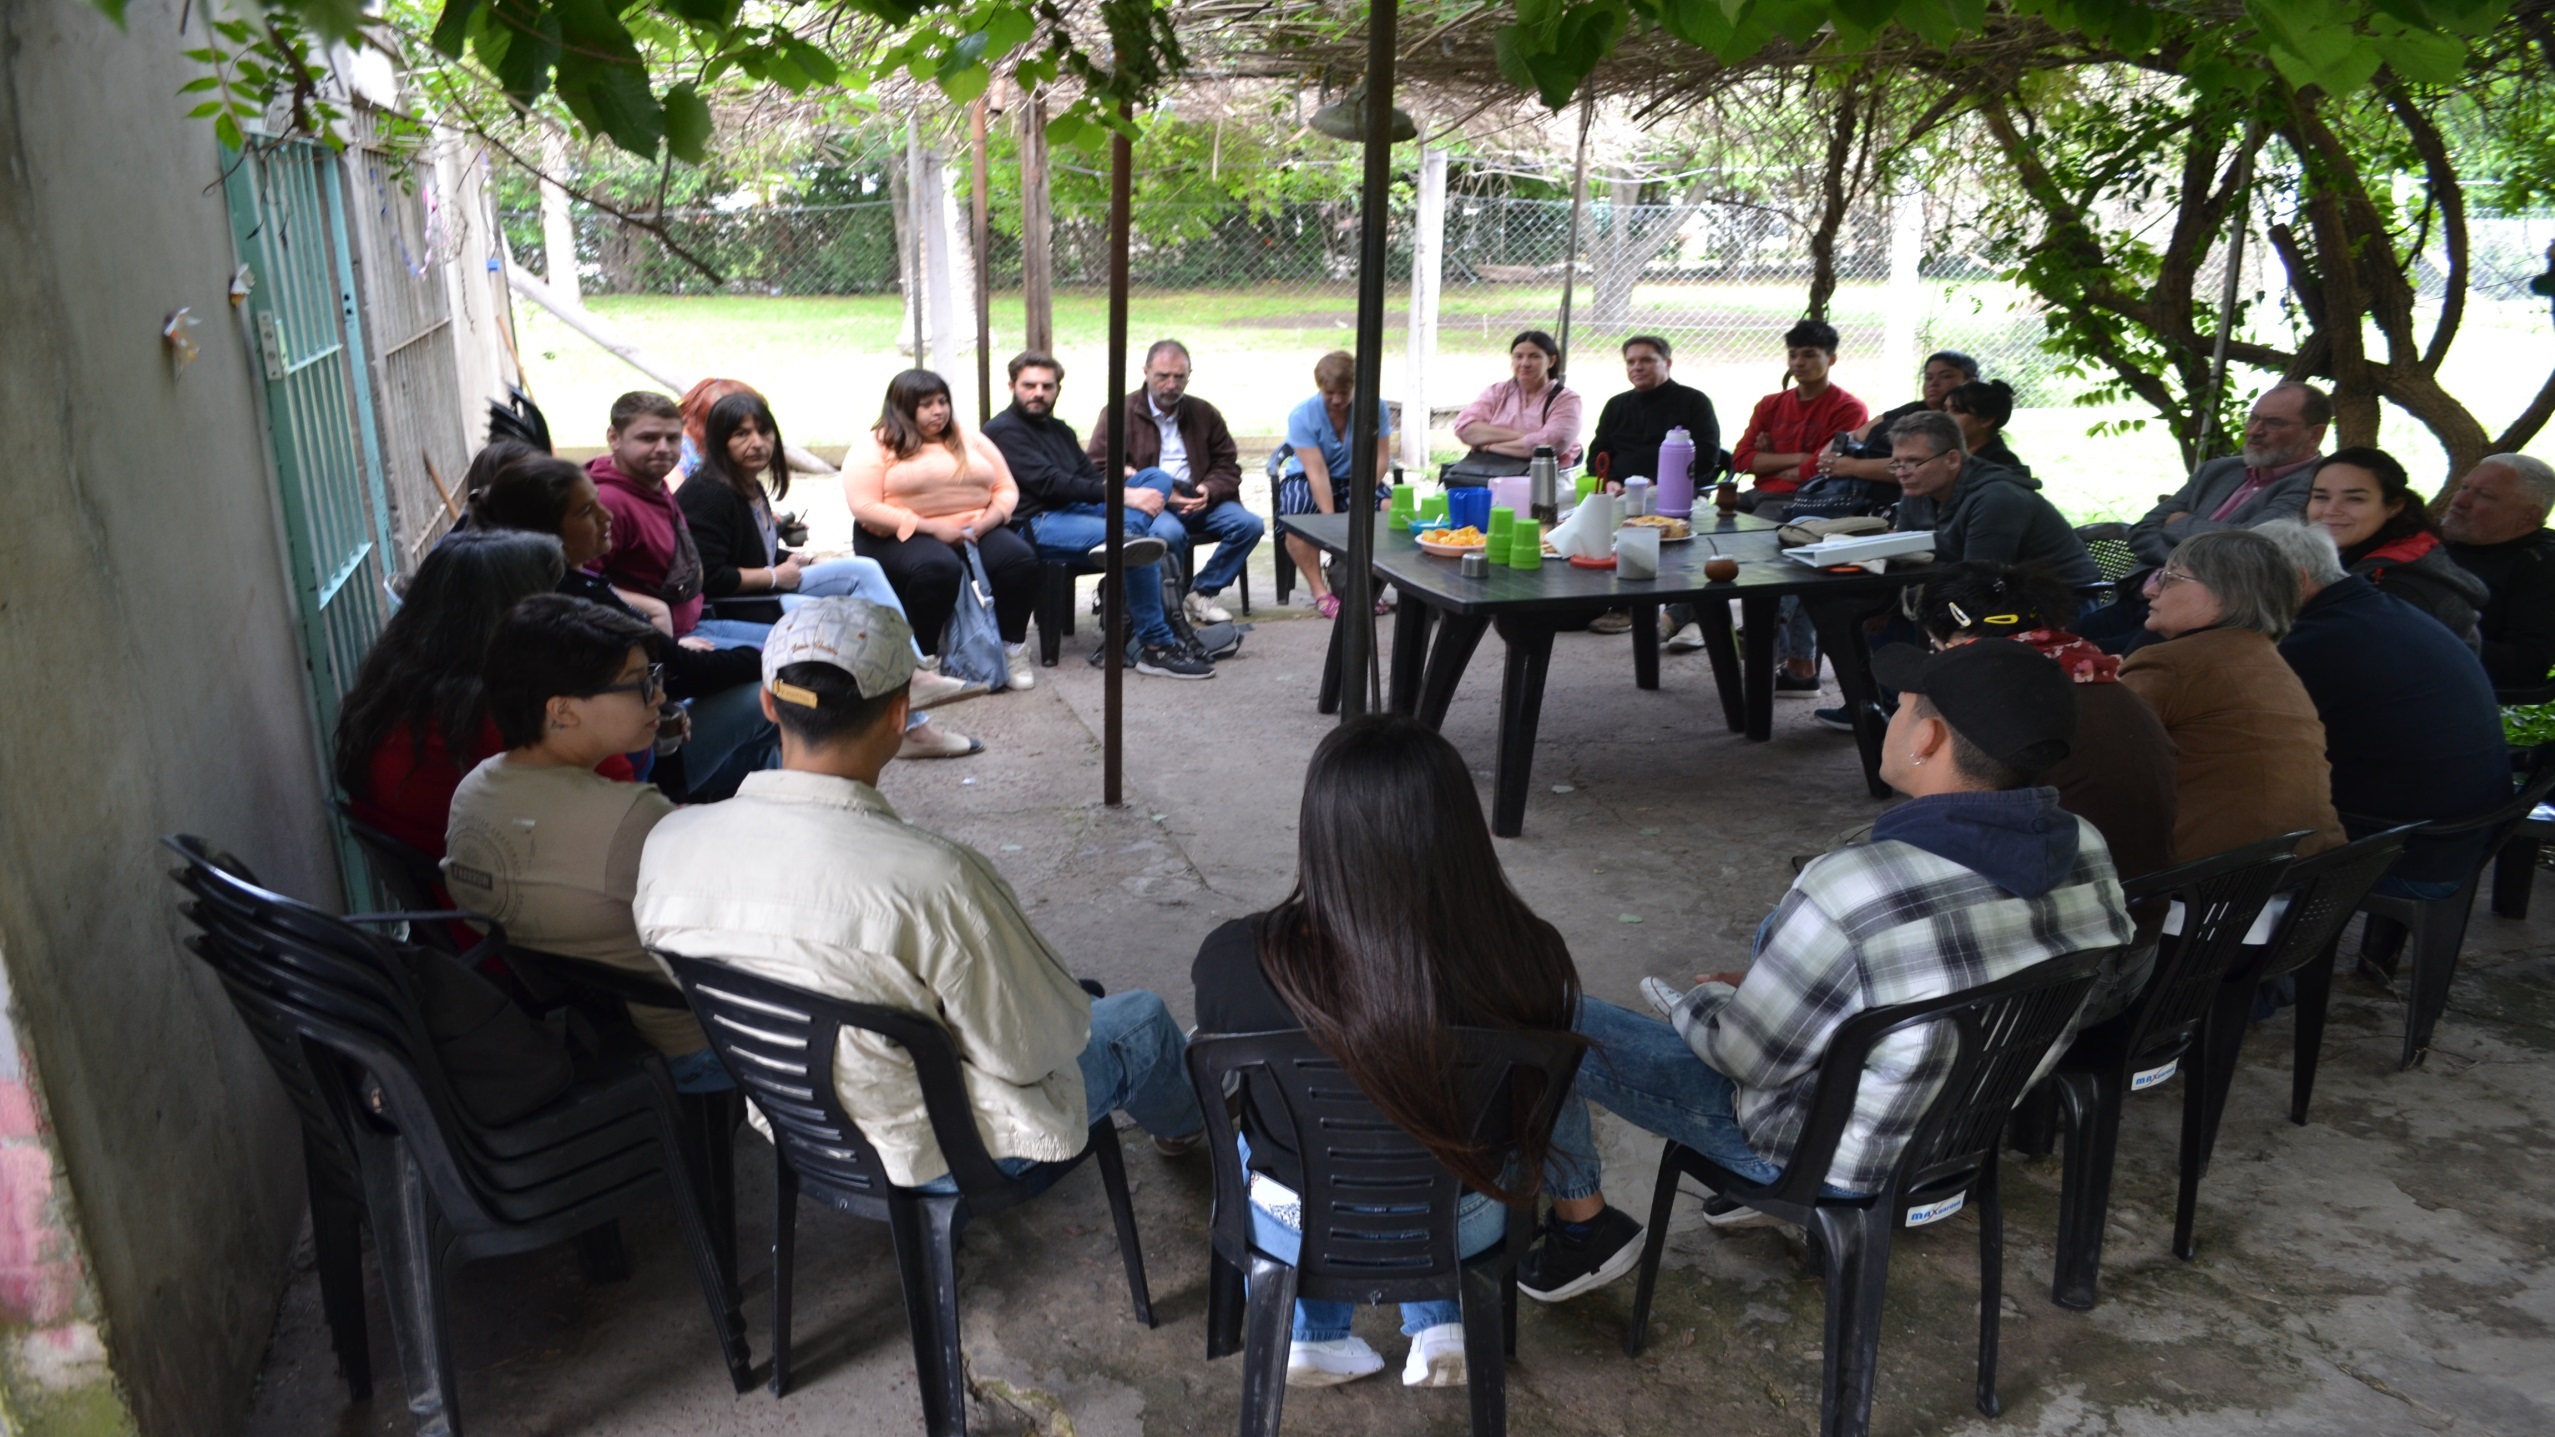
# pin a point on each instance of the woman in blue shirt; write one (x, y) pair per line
(1317, 466)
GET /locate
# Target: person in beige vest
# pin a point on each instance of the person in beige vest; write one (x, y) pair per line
(2252, 760)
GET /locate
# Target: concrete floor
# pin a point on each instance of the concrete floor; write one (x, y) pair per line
(2384, 1269)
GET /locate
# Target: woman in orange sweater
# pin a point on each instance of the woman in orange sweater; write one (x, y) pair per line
(919, 493)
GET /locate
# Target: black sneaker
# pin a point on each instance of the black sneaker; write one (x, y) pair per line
(1140, 550)
(1839, 718)
(1787, 682)
(1171, 661)
(1560, 1267)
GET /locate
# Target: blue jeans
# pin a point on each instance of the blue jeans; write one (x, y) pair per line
(1571, 1170)
(1135, 1060)
(730, 739)
(851, 577)
(1795, 637)
(734, 633)
(1236, 532)
(1064, 536)
(1642, 1072)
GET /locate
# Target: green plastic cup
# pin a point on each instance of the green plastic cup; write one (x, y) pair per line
(1405, 498)
(1587, 485)
(1433, 507)
(1526, 547)
(1502, 521)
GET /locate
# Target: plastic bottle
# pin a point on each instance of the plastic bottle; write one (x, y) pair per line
(1676, 474)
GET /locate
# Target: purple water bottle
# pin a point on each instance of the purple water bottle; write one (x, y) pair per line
(1676, 474)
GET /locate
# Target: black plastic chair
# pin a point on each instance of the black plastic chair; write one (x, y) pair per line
(2435, 929)
(2515, 866)
(1998, 1035)
(2221, 896)
(2323, 891)
(440, 1187)
(1366, 1238)
(780, 1042)
(545, 981)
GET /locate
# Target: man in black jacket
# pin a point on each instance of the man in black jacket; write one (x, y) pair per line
(2496, 530)
(1064, 511)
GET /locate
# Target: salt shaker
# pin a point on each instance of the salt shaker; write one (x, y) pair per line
(1474, 566)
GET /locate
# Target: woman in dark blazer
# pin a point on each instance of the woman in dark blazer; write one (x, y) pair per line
(734, 528)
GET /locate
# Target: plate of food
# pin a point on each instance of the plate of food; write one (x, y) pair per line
(1453, 543)
(1671, 531)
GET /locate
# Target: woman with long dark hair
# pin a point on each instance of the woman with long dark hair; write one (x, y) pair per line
(416, 719)
(921, 490)
(1401, 927)
(726, 503)
(2365, 500)
(1983, 407)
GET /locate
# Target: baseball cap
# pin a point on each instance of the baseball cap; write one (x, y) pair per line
(870, 643)
(2011, 703)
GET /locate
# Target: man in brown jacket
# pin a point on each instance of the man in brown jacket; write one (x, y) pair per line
(1178, 444)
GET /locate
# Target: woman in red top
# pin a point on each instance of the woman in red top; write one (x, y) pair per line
(2363, 497)
(414, 722)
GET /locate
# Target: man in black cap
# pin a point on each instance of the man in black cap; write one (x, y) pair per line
(1979, 875)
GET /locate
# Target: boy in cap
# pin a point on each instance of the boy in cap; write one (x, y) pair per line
(1979, 875)
(808, 877)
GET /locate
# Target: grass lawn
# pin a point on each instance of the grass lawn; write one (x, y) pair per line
(825, 361)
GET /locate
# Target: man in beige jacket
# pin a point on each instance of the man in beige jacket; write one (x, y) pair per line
(808, 877)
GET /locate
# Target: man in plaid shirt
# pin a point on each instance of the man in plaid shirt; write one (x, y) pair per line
(1977, 876)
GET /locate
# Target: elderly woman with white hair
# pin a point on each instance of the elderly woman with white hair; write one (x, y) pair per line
(2495, 528)
(2411, 729)
(2252, 762)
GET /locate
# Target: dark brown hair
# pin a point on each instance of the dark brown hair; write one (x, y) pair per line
(728, 416)
(899, 430)
(643, 403)
(530, 494)
(1402, 927)
(2395, 487)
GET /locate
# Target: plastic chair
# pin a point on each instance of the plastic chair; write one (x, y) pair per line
(331, 1171)
(2435, 929)
(2221, 896)
(780, 1042)
(2322, 891)
(1998, 1035)
(2515, 866)
(440, 1187)
(1355, 1163)
(412, 881)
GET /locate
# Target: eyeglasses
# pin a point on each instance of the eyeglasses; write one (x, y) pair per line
(651, 683)
(1910, 466)
(2167, 578)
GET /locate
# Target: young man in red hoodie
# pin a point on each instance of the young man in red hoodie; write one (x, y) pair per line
(1781, 448)
(652, 552)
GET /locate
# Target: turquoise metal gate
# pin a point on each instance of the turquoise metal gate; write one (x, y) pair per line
(288, 215)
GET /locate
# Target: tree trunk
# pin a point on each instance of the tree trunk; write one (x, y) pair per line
(1833, 199)
(1037, 232)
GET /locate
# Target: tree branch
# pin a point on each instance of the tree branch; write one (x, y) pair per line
(2450, 195)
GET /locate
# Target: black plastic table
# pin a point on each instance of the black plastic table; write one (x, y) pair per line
(1529, 607)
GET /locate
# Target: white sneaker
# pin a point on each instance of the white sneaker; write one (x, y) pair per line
(931, 687)
(1664, 996)
(1685, 640)
(1024, 669)
(1437, 1357)
(931, 740)
(1328, 1364)
(1203, 610)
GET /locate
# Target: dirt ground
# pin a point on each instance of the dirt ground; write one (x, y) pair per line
(2384, 1269)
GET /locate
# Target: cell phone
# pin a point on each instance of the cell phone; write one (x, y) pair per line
(1185, 488)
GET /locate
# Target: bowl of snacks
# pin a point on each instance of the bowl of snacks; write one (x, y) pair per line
(1454, 543)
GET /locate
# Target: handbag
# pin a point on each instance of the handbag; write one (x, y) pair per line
(1830, 497)
(1480, 466)
(971, 651)
(1813, 531)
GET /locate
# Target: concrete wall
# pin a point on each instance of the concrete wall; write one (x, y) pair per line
(150, 680)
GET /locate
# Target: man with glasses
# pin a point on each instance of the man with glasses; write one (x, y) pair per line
(538, 840)
(2268, 480)
(1179, 447)
(1977, 511)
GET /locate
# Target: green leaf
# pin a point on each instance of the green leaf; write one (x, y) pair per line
(818, 66)
(1508, 48)
(1007, 29)
(454, 27)
(227, 130)
(1869, 14)
(199, 83)
(114, 10)
(524, 57)
(206, 110)
(2427, 56)
(969, 49)
(710, 14)
(965, 85)
(611, 99)
(687, 124)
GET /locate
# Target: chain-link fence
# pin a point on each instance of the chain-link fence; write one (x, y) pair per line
(1260, 291)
